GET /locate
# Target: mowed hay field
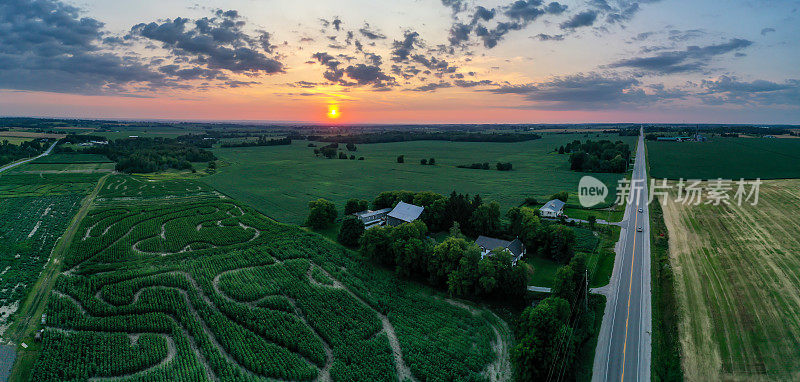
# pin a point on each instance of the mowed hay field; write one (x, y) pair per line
(281, 180)
(737, 272)
(727, 158)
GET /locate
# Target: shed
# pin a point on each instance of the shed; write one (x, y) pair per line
(404, 213)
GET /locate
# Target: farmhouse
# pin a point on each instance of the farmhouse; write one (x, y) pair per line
(403, 213)
(552, 209)
(487, 244)
(373, 218)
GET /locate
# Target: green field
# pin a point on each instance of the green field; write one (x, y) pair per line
(727, 158)
(280, 180)
(73, 158)
(190, 289)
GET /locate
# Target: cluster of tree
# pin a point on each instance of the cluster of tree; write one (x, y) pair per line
(351, 231)
(411, 135)
(551, 332)
(428, 162)
(10, 152)
(597, 156)
(485, 166)
(553, 241)
(327, 151)
(261, 141)
(321, 214)
(355, 205)
(146, 155)
(351, 147)
(729, 135)
(454, 265)
(76, 139)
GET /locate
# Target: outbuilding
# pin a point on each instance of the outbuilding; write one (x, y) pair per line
(403, 213)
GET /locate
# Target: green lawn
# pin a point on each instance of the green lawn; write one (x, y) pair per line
(727, 158)
(281, 180)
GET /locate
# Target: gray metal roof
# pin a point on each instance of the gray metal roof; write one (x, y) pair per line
(490, 243)
(368, 213)
(553, 205)
(406, 212)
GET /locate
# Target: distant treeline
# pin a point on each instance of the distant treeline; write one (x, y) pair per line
(262, 141)
(146, 155)
(721, 129)
(11, 152)
(405, 136)
(597, 156)
(485, 166)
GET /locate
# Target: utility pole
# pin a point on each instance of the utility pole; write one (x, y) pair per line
(586, 303)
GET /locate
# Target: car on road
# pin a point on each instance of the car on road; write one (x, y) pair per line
(639, 229)
(641, 210)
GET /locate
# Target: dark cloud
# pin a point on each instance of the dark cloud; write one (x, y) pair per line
(685, 35)
(692, 59)
(492, 37)
(527, 10)
(587, 92)
(555, 8)
(217, 43)
(337, 24)
(459, 33)
(432, 87)
(625, 14)
(402, 49)
(46, 45)
(368, 75)
(333, 73)
(371, 34)
(457, 6)
(547, 37)
(583, 19)
(729, 89)
(482, 13)
(767, 30)
(472, 84)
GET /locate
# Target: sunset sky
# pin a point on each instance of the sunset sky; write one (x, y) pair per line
(403, 61)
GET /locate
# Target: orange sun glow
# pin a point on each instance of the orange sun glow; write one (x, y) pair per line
(333, 111)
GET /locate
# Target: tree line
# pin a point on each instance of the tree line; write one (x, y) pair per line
(261, 141)
(147, 155)
(405, 136)
(10, 152)
(597, 156)
(500, 166)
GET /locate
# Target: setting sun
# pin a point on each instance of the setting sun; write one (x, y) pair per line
(333, 111)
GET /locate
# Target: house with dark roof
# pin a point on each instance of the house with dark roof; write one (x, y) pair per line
(488, 244)
(373, 218)
(552, 209)
(403, 213)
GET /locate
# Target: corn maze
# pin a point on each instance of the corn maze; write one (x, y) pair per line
(209, 290)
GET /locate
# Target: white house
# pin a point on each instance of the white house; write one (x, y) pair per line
(552, 209)
(488, 244)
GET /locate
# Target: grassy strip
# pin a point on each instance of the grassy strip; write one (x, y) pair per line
(666, 361)
(29, 314)
(584, 359)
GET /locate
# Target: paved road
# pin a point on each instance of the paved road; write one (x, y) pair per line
(623, 346)
(15, 164)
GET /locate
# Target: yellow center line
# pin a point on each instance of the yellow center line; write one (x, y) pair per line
(630, 286)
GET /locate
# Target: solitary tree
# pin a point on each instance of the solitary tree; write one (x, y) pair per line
(355, 205)
(562, 196)
(423, 162)
(351, 231)
(432, 161)
(401, 159)
(321, 214)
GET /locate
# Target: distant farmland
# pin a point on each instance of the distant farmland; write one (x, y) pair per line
(727, 158)
(281, 180)
(737, 279)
